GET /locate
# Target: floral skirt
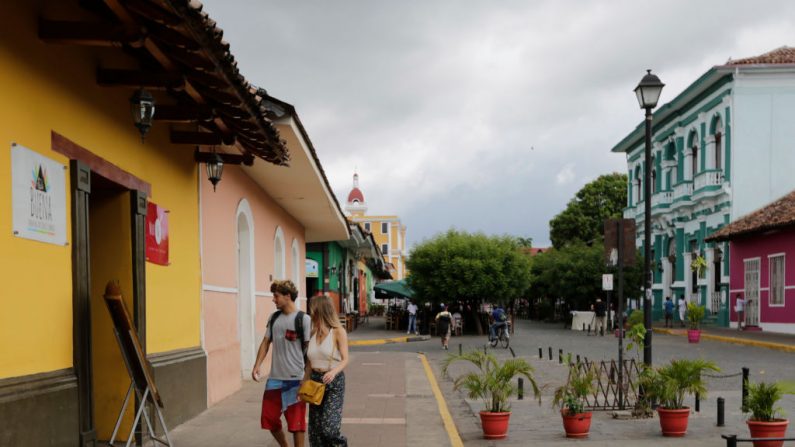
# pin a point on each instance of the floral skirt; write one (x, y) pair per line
(325, 420)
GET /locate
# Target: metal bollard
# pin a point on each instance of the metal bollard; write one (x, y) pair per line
(746, 373)
(512, 353)
(560, 356)
(541, 353)
(550, 353)
(521, 388)
(583, 327)
(578, 359)
(721, 411)
(484, 349)
(698, 403)
(731, 440)
(460, 349)
(589, 329)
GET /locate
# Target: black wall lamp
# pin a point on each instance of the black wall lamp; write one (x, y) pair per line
(215, 161)
(142, 107)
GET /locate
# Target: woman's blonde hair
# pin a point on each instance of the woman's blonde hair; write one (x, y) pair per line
(323, 313)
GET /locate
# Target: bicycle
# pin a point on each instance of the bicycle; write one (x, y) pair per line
(503, 337)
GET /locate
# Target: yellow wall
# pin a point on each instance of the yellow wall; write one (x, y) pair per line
(395, 237)
(49, 87)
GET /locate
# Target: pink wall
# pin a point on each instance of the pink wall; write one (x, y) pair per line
(220, 275)
(762, 246)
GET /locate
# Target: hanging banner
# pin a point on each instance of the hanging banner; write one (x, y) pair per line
(311, 268)
(38, 196)
(156, 234)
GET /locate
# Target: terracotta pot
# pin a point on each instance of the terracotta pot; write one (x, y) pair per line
(576, 425)
(495, 425)
(693, 335)
(773, 429)
(673, 422)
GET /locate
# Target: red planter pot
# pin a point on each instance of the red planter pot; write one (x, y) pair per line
(693, 335)
(673, 422)
(773, 429)
(576, 425)
(495, 425)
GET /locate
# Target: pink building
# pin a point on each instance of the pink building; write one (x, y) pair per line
(254, 229)
(762, 265)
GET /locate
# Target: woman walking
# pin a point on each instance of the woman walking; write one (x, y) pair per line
(443, 320)
(327, 355)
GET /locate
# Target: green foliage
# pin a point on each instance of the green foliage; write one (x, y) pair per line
(636, 317)
(762, 399)
(492, 382)
(584, 216)
(669, 384)
(575, 273)
(636, 335)
(376, 309)
(698, 265)
(581, 383)
(468, 266)
(695, 314)
(526, 242)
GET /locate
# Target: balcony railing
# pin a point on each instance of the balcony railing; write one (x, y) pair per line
(716, 298)
(661, 198)
(710, 177)
(683, 190)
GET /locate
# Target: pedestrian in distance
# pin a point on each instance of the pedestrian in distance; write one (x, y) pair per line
(739, 307)
(288, 330)
(443, 323)
(682, 310)
(669, 312)
(600, 311)
(412, 326)
(327, 355)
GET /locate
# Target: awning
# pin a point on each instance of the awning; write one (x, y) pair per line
(393, 289)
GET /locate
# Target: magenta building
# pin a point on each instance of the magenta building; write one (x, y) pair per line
(762, 265)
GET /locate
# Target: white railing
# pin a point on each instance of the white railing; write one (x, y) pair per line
(684, 189)
(695, 298)
(661, 198)
(716, 296)
(712, 177)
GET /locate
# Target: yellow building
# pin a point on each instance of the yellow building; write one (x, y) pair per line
(388, 231)
(78, 187)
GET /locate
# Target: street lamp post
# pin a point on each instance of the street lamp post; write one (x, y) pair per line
(648, 93)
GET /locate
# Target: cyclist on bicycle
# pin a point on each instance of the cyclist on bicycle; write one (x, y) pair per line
(500, 321)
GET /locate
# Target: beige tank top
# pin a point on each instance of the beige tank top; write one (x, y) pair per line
(324, 356)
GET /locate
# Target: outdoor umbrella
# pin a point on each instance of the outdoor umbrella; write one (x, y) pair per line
(393, 289)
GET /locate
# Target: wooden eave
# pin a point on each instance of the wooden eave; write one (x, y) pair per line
(181, 52)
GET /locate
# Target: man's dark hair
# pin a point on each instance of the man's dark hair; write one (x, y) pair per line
(285, 287)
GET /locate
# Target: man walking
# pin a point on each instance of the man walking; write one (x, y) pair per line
(669, 312)
(412, 326)
(288, 331)
(739, 307)
(599, 310)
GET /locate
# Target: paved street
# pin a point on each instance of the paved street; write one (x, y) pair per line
(389, 400)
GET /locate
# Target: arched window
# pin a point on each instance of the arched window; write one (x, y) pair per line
(278, 255)
(296, 262)
(653, 181)
(717, 132)
(693, 154)
(637, 187)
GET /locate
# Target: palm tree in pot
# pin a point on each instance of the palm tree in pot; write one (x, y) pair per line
(695, 314)
(765, 421)
(570, 398)
(492, 383)
(668, 386)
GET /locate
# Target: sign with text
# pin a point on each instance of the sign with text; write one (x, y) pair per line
(607, 282)
(611, 241)
(311, 268)
(156, 234)
(38, 196)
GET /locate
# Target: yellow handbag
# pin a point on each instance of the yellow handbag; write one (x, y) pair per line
(311, 392)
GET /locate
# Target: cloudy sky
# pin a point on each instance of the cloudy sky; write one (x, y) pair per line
(481, 115)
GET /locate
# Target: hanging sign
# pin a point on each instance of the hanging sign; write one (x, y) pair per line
(607, 282)
(156, 234)
(38, 196)
(311, 268)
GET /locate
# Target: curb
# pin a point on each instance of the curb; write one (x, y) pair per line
(444, 412)
(734, 340)
(386, 341)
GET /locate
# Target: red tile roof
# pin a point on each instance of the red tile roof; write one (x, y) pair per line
(782, 55)
(778, 214)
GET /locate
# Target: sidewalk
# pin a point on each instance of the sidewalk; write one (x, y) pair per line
(374, 332)
(780, 342)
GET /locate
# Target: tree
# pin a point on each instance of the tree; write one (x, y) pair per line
(460, 265)
(524, 242)
(584, 216)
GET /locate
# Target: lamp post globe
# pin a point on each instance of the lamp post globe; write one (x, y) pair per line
(648, 93)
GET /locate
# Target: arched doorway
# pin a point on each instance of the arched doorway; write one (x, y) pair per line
(245, 287)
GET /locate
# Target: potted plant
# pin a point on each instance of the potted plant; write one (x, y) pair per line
(764, 421)
(492, 383)
(668, 386)
(570, 398)
(695, 314)
(699, 265)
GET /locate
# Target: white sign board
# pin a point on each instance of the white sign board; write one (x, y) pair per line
(607, 282)
(38, 196)
(311, 268)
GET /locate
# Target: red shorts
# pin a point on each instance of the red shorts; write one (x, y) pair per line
(270, 419)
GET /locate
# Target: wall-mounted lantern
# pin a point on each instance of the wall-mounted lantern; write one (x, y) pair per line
(215, 168)
(142, 107)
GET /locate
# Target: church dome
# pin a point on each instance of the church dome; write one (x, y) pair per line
(355, 195)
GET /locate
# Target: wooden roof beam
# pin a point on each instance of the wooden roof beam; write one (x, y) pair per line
(246, 159)
(183, 113)
(108, 77)
(199, 138)
(85, 33)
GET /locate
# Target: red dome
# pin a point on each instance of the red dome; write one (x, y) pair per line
(356, 195)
